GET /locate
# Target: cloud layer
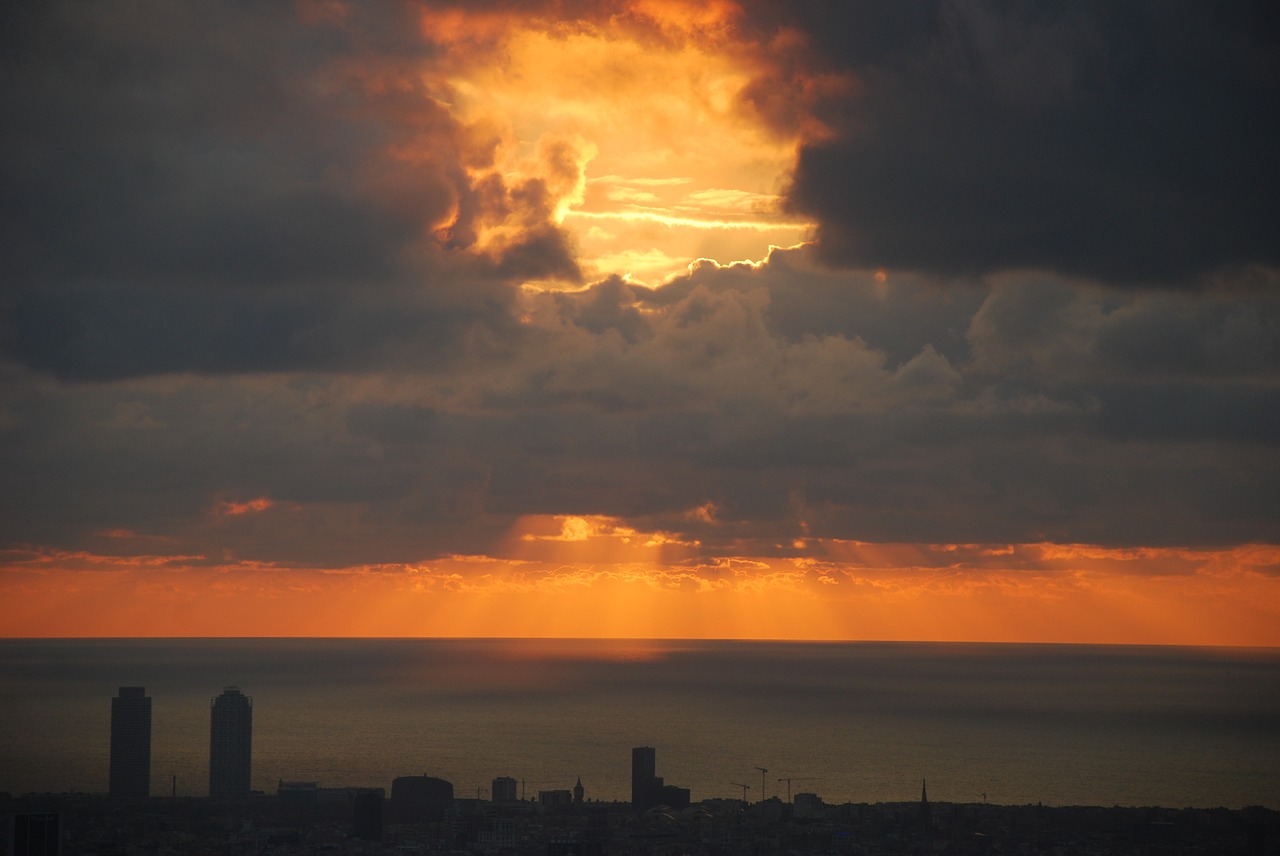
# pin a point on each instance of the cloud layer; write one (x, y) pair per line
(1130, 144)
(319, 287)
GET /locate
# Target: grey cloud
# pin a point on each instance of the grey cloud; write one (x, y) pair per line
(898, 316)
(1044, 329)
(610, 304)
(646, 404)
(1223, 412)
(87, 333)
(160, 457)
(1216, 336)
(196, 188)
(1127, 143)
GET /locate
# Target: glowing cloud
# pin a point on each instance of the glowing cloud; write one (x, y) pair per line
(668, 150)
(253, 506)
(590, 577)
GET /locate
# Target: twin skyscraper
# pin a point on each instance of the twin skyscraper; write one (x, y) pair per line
(230, 744)
(130, 743)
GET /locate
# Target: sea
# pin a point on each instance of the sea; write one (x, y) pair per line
(850, 722)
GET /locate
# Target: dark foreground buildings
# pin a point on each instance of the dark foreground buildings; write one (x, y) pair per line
(306, 820)
(230, 744)
(130, 774)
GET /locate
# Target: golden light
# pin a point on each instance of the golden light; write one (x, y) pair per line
(670, 163)
(591, 577)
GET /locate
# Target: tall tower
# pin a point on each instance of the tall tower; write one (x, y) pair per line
(644, 767)
(230, 744)
(131, 743)
(503, 789)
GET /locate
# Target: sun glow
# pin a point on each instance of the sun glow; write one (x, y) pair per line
(593, 577)
(672, 164)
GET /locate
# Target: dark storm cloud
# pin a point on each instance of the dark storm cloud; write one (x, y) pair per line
(196, 188)
(801, 401)
(102, 333)
(786, 421)
(1130, 142)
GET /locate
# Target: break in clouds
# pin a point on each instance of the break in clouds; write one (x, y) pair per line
(262, 254)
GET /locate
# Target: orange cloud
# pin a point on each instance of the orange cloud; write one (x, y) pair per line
(688, 16)
(616, 586)
(235, 509)
(675, 157)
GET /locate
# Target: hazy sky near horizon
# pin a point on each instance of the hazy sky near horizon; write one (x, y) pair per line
(950, 320)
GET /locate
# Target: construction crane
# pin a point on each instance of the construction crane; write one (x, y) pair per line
(531, 782)
(762, 772)
(789, 780)
(745, 788)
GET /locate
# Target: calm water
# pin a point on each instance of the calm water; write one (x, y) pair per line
(858, 722)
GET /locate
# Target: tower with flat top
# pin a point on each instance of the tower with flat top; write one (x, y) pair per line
(230, 744)
(130, 772)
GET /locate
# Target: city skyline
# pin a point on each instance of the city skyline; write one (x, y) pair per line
(853, 722)
(956, 320)
(412, 797)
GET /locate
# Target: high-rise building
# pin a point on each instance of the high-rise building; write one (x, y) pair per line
(230, 744)
(504, 789)
(644, 780)
(130, 774)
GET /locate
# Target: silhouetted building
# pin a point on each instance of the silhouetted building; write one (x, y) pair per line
(647, 788)
(298, 801)
(130, 774)
(644, 779)
(672, 796)
(807, 805)
(230, 744)
(579, 792)
(419, 799)
(557, 798)
(926, 817)
(366, 815)
(504, 789)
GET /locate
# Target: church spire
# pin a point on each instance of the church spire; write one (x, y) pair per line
(925, 820)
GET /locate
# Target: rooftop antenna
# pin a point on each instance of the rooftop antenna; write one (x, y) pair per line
(762, 772)
(745, 788)
(532, 782)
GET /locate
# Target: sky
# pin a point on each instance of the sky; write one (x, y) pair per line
(943, 320)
